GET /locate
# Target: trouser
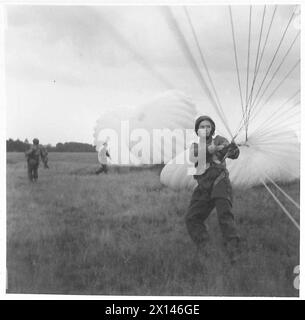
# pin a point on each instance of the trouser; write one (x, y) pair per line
(198, 212)
(102, 168)
(32, 171)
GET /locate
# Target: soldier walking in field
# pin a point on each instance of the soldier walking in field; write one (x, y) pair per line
(33, 156)
(103, 156)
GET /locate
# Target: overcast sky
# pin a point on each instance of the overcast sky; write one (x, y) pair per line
(66, 64)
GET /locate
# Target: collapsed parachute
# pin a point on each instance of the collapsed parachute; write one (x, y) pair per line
(145, 134)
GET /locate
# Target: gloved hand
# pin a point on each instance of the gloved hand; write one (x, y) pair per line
(232, 146)
(213, 149)
(232, 149)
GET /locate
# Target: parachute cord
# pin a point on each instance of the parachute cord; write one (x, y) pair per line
(264, 47)
(255, 73)
(284, 193)
(274, 123)
(246, 121)
(280, 107)
(273, 129)
(267, 37)
(281, 205)
(277, 122)
(248, 58)
(248, 65)
(236, 60)
(124, 43)
(281, 82)
(276, 71)
(277, 87)
(204, 61)
(276, 112)
(193, 64)
(274, 56)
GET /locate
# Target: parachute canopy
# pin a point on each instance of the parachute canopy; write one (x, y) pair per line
(152, 133)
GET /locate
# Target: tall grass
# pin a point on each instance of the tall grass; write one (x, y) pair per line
(124, 234)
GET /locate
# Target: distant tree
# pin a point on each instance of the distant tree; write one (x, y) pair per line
(19, 146)
(16, 146)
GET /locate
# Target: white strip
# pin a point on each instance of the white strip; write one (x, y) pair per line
(283, 208)
(284, 193)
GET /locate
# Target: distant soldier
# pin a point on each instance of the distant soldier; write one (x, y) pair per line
(103, 156)
(33, 156)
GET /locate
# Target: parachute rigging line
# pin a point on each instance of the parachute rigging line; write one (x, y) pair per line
(138, 57)
(255, 74)
(264, 47)
(281, 205)
(204, 61)
(284, 193)
(277, 111)
(196, 70)
(274, 56)
(276, 123)
(267, 37)
(279, 108)
(249, 47)
(270, 65)
(275, 72)
(236, 59)
(249, 97)
(282, 81)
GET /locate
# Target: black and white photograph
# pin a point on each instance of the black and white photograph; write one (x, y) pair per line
(152, 150)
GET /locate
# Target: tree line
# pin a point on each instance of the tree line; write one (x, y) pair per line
(22, 146)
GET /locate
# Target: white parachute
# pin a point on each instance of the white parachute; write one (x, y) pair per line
(145, 133)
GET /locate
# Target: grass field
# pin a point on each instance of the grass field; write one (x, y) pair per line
(124, 234)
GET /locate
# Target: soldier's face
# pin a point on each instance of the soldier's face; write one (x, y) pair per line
(205, 127)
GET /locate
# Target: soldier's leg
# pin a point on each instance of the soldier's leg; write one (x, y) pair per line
(197, 213)
(105, 168)
(228, 228)
(35, 173)
(30, 172)
(99, 170)
(226, 219)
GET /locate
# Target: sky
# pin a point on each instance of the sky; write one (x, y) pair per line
(65, 65)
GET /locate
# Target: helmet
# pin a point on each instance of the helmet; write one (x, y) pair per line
(202, 118)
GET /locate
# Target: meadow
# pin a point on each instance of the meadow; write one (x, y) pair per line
(124, 234)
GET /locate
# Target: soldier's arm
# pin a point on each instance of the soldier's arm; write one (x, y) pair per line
(28, 152)
(221, 141)
(219, 144)
(44, 156)
(229, 150)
